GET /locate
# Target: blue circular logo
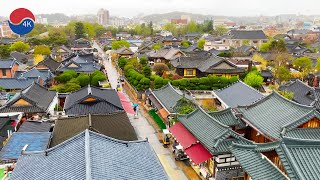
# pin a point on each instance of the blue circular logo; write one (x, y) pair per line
(21, 21)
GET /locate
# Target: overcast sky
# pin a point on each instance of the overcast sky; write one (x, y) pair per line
(130, 8)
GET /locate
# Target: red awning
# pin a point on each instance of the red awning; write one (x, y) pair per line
(198, 153)
(125, 103)
(183, 136)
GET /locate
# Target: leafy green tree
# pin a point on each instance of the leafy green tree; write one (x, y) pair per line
(185, 44)
(147, 71)
(99, 30)
(157, 46)
(64, 78)
(99, 77)
(83, 79)
(220, 30)
(201, 43)
(118, 44)
(37, 30)
(71, 72)
(57, 37)
(192, 27)
(150, 25)
(208, 26)
(317, 67)
(245, 42)
(171, 28)
(20, 46)
(186, 109)
(287, 94)
(143, 61)
(89, 30)
(96, 72)
(160, 68)
(122, 62)
(42, 49)
(79, 30)
(34, 41)
(4, 51)
(282, 74)
(70, 87)
(302, 64)
(254, 79)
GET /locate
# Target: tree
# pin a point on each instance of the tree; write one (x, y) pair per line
(201, 43)
(147, 71)
(208, 26)
(276, 46)
(143, 61)
(118, 44)
(259, 58)
(4, 51)
(34, 41)
(57, 37)
(185, 44)
(245, 42)
(157, 46)
(303, 64)
(42, 49)
(282, 74)
(122, 62)
(70, 87)
(159, 68)
(282, 58)
(317, 67)
(64, 77)
(99, 77)
(79, 30)
(99, 30)
(220, 30)
(20, 46)
(89, 30)
(287, 94)
(171, 28)
(83, 79)
(191, 27)
(254, 79)
(150, 25)
(71, 72)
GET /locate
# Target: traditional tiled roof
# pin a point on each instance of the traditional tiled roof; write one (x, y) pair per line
(37, 141)
(22, 58)
(35, 126)
(45, 74)
(91, 156)
(17, 84)
(50, 63)
(7, 63)
(38, 98)
(207, 64)
(274, 114)
(304, 133)
(80, 67)
(216, 136)
(255, 163)
(300, 158)
(237, 94)
(124, 51)
(103, 101)
(168, 96)
(166, 53)
(254, 34)
(226, 117)
(115, 125)
(301, 91)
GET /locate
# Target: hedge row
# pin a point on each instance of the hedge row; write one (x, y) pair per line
(157, 119)
(141, 83)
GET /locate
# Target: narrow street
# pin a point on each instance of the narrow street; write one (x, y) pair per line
(143, 128)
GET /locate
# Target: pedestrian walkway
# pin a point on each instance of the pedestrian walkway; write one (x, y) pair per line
(145, 130)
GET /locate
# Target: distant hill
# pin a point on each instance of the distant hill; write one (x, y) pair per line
(175, 15)
(56, 18)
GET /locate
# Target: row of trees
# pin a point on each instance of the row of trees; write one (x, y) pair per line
(206, 27)
(70, 80)
(22, 47)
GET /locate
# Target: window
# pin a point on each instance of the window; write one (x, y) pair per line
(255, 41)
(4, 72)
(189, 72)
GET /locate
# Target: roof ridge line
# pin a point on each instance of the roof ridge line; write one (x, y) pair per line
(87, 154)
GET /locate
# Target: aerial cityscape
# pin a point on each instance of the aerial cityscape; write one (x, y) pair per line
(156, 90)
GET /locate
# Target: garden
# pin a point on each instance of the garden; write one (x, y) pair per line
(70, 80)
